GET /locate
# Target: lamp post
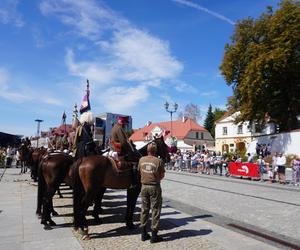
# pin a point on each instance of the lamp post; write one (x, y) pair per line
(171, 111)
(38, 130)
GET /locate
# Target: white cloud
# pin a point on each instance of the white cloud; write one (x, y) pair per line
(203, 9)
(209, 93)
(93, 70)
(118, 99)
(20, 93)
(87, 17)
(10, 14)
(181, 86)
(143, 55)
(127, 57)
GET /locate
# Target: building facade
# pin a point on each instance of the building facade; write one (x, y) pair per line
(231, 137)
(186, 133)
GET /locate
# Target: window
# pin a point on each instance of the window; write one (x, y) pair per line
(197, 135)
(240, 129)
(224, 130)
(202, 136)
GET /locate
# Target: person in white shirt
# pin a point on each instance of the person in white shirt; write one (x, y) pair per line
(281, 162)
(8, 156)
(274, 166)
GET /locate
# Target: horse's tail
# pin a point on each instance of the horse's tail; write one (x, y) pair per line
(41, 188)
(77, 193)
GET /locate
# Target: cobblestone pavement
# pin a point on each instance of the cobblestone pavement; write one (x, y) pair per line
(274, 209)
(112, 233)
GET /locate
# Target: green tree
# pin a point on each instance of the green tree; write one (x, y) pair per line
(218, 113)
(262, 64)
(209, 122)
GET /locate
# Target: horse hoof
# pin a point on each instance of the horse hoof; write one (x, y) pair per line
(54, 213)
(52, 223)
(130, 226)
(97, 220)
(47, 227)
(86, 237)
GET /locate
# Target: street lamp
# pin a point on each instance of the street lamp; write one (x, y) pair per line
(38, 130)
(171, 111)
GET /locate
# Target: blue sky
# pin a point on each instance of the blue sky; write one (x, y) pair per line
(137, 54)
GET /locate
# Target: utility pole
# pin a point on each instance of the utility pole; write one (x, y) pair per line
(38, 130)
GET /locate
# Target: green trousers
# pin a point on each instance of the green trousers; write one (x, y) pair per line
(151, 199)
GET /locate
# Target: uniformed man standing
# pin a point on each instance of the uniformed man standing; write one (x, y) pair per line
(152, 172)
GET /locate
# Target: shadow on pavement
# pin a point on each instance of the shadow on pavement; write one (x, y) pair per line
(185, 234)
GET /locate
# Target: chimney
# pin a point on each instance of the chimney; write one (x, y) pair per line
(149, 123)
(184, 118)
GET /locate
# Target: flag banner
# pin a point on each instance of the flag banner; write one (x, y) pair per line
(85, 105)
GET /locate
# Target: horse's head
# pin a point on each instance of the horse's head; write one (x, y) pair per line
(162, 149)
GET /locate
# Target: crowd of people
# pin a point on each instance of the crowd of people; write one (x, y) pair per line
(212, 163)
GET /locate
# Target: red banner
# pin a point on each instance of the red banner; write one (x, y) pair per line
(243, 169)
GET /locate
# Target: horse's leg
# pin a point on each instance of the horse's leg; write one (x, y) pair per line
(87, 200)
(47, 208)
(22, 167)
(97, 207)
(132, 195)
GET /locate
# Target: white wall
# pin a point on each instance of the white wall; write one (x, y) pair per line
(206, 135)
(232, 130)
(287, 143)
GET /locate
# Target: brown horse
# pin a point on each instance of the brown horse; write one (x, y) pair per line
(23, 158)
(52, 171)
(36, 157)
(94, 174)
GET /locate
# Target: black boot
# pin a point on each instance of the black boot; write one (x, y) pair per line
(144, 235)
(134, 177)
(155, 238)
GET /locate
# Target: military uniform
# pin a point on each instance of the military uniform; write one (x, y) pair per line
(119, 141)
(152, 170)
(83, 142)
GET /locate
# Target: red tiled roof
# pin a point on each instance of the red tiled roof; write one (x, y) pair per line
(61, 129)
(180, 129)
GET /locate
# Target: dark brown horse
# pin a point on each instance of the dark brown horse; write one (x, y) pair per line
(94, 174)
(52, 171)
(23, 158)
(36, 157)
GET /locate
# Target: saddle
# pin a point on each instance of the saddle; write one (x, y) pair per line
(120, 168)
(53, 154)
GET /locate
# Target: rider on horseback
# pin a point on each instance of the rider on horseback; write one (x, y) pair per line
(83, 142)
(127, 154)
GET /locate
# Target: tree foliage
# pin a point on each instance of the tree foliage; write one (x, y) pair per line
(262, 64)
(218, 113)
(209, 122)
(191, 111)
(211, 118)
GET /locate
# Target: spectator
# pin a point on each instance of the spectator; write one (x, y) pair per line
(295, 164)
(8, 155)
(269, 172)
(219, 163)
(274, 165)
(281, 161)
(250, 158)
(261, 164)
